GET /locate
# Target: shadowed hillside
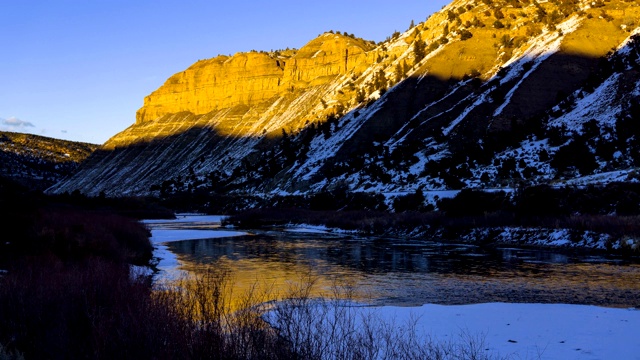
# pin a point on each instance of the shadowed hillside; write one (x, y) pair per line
(37, 161)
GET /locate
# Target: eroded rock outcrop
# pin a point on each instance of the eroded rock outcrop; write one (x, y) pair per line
(256, 79)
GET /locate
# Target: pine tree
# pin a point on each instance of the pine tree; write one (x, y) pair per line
(288, 150)
(419, 50)
(380, 80)
(401, 71)
(399, 74)
(405, 67)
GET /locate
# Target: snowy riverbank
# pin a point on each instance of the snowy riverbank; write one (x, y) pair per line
(506, 235)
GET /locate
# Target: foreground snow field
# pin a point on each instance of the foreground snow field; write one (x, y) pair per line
(479, 331)
(530, 331)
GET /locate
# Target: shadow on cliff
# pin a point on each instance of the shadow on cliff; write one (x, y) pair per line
(421, 107)
(413, 110)
(139, 166)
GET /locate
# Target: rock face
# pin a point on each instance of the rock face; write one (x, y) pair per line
(467, 98)
(255, 80)
(327, 56)
(209, 85)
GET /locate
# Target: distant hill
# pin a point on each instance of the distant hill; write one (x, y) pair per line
(483, 94)
(38, 162)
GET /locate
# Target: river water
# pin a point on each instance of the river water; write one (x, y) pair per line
(385, 271)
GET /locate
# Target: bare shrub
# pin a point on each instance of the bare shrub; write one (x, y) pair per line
(6, 354)
(338, 328)
(222, 324)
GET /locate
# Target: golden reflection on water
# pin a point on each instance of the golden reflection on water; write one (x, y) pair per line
(267, 281)
(391, 273)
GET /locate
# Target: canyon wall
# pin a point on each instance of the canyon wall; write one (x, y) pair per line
(256, 78)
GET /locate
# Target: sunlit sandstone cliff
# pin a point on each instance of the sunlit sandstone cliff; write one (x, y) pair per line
(247, 85)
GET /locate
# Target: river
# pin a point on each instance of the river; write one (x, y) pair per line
(396, 272)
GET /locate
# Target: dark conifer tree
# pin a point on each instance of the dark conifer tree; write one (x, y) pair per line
(419, 50)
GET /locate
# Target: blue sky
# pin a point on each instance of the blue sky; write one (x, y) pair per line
(79, 69)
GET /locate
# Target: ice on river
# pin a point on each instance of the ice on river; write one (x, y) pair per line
(160, 235)
(529, 331)
(185, 218)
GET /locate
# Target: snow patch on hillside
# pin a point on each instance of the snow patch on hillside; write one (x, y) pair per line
(321, 149)
(598, 105)
(628, 175)
(625, 48)
(479, 101)
(540, 50)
